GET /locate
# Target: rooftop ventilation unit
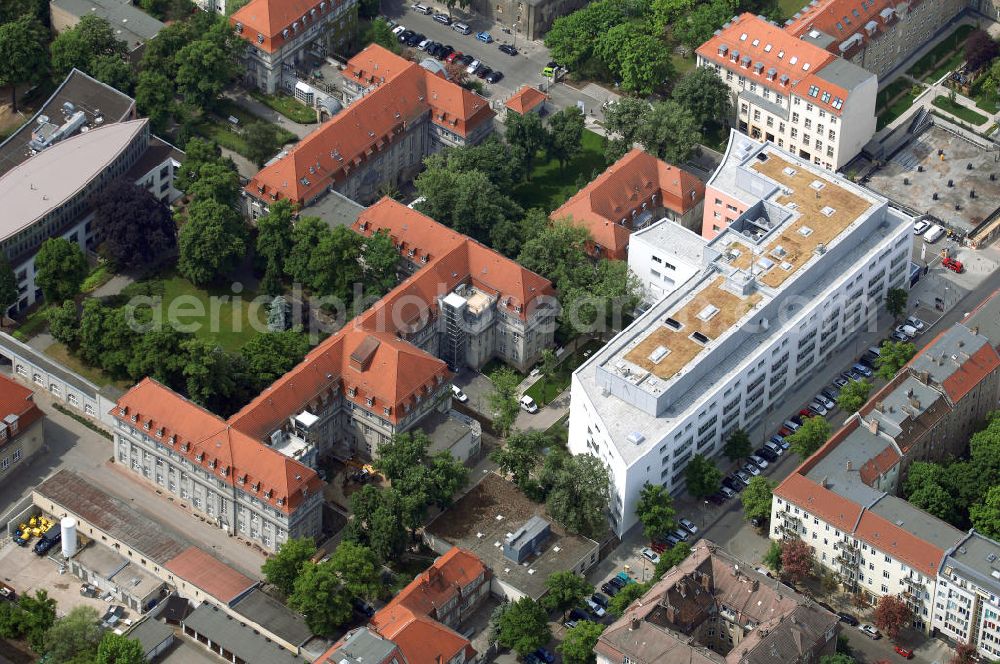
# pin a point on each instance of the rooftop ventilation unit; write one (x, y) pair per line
(636, 438)
(658, 354)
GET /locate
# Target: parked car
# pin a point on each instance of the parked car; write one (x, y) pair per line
(600, 600)
(528, 404)
(818, 407)
(785, 431)
(484, 37)
(827, 402)
(767, 454)
(473, 67)
(717, 498)
(484, 72)
(854, 374)
(897, 335)
(578, 614)
(870, 631)
(545, 655)
(570, 624)
(362, 607)
(49, 539)
(609, 589)
(744, 476)
(87, 590)
(774, 448)
(681, 534)
(508, 49)
(405, 34)
(422, 9)
(905, 653)
(727, 491)
(672, 539)
(494, 76)
(751, 470)
(733, 483)
(458, 394)
(112, 615)
(933, 234)
(921, 226)
(650, 555)
(792, 424)
(7, 592)
(442, 18)
(908, 330)
(596, 608)
(465, 60)
(840, 381)
(416, 39)
(688, 525)
(445, 51)
(399, 29)
(830, 393)
(758, 461)
(953, 265)
(847, 618)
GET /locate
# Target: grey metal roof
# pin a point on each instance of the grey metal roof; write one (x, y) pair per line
(80, 497)
(335, 209)
(845, 74)
(985, 319)
(362, 647)
(274, 616)
(947, 353)
(150, 633)
(977, 558)
(832, 470)
(131, 25)
(917, 522)
(237, 638)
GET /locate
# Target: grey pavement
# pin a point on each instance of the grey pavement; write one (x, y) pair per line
(113, 286)
(244, 166)
(41, 341)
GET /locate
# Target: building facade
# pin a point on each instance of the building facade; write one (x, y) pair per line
(529, 19)
(284, 36)
(879, 35)
(722, 348)
(631, 194)
(967, 602)
(842, 500)
(22, 427)
(792, 93)
(398, 113)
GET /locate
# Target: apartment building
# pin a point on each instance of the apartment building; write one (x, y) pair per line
(714, 608)
(629, 195)
(663, 257)
(399, 113)
(878, 35)
(529, 19)
(381, 374)
(22, 427)
(793, 93)
(842, 499)
(48, 195)
(285, 36)
(724, 347)
(966, 605)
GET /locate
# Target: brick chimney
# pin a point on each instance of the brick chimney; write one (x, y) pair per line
(873, 426)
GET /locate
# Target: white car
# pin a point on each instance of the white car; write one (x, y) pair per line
(596, 608)
(760, 462)
(870, 630)
(458, 394)
(473, 66)
(916, 323)
(688, 525)
(827, 403)
(933, 234)
(818, 406)
(399, 29)
(528, 404)
(908, 330)
(920, 227)
(727, 492)
(752, 469)
(774, 447)
(423, 45)
(650, 555)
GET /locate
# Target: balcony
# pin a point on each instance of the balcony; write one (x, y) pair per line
(848, 558)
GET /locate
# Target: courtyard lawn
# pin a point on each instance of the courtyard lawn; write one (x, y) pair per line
(549, 187)
(218, 128)
(215, 314)
(34, 323)
(890, 92)
(952, 42)
(789, 7)
(545, 389)
(959, 111)
(683, 65)
(61, 354)
(898, 107)
(287, 106)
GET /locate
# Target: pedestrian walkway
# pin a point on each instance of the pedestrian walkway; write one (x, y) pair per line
(244, 99)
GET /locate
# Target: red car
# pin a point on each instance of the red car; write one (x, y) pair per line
(805, 412)
(784, 432)
(906, 654)
(953, 265)
(453, 56)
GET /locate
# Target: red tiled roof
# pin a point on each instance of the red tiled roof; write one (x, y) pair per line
(270, 18)
(210, 443)
(841, 19)
(526, 99)
(440, 582)
(420, 638)
(16, 399)
(774, 49)
(626, 186)
(879, 465)
(899, 543)
(210, 575)
(834, 509)
(402, 92)
(973, 370)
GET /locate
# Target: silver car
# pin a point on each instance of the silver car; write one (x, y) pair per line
(760, 462)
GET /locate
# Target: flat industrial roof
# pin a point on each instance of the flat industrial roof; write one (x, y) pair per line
(131, 25)
(274, 616)
(242, 641)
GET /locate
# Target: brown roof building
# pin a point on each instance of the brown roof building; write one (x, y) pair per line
(632, 193)
(713, 608)
(22, 426)
(528, 99)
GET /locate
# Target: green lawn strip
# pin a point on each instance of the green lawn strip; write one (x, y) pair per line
(226, 108)
(682, 64)
(60, 353)
(549, 186)
(33, 324)
(544, 390)
(952, 62)
(946, 46)
(99, 276)
(900, 106)
(959, 111)
(559, 431)
(890, 92)
(788, 8)
(287, 106)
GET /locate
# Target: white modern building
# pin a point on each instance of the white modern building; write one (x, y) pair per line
(778, 291)
(664, 256)
(793, 93)
(967, 602)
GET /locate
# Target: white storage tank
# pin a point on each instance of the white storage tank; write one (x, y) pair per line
(68, 526)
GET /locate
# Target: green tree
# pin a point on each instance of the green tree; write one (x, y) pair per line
(697, 26)
(549, 364)
(499, 161)
(358, 568)
(669, 132)
(263, 141)
(622, 121)
(74, 637)
(527, 133)
(106, 339)
(565, 590)
(379, 32)
(379, 259)
(565, 134)
(211, 242)
(620, 602)
(578, 643)
(557, 252)
(985, 516)
(773, 556)
(852, 396)
(78, 47)
(892, 614)
(523, 627)
(119, 649)
(465, 201)
(796, 560)
(38, 614)
(198, 152)
(756, 498)
(895, 301)
(135, 229)
(571, 39)
(215, 181)
(578, 497)
(8, 285)
(639, 60)
(159, 354)
(23, 55)
(64, 323)
(738, 445)
(703, 477)
(275, 234)
(520, 454)
(837, 658)
(282, 568)
(503, 399)
(112, 70)
(655, 509)
(378, 521)
(705, 95)
(212, 377)
(270, 355)
(320, 596)
(810, 436)
(893, 356)
(671, 558)
(509, 236)
(668, 12)
(60, 269)
(204, 67)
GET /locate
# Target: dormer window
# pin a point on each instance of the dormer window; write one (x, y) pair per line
(123, 411)
(200, 457)
(280, 502)
(147, 424)
(370, 401)
(255, 487)
(385, 411)
(352, 392)
(135, 417)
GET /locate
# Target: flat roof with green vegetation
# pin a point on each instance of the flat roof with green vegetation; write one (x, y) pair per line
(288, 106)
(959, 111)
(550, 187)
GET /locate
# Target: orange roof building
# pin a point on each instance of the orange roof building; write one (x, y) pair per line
(402, 113)
(528, 99)
(632, 193)
(22, 432)
(793, 93)
(842, 500)
(373, 378)
(279, 32)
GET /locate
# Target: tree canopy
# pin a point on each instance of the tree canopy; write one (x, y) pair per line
(796, 560)
(519, 455)
(578, 643)
(892, 614)
(503, 399)
(565, 590)
(853, 395)
(705, 95)
(8, 284)
(737, 445)
(655, 510)
(523, 626)
(319, 594)
(577, 493)
(73, 639)
(565, 134)
(211, 241)
(893, 355)
(119, 649)
(703, 477)
(135, 229)
(810, 436)
(282, 568)
(263, 141)
(23, 55)
(60, 268)
(756, 498)
(87, 44)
